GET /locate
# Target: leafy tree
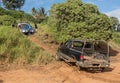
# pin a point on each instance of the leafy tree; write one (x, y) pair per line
(75, 19)
(13, 4)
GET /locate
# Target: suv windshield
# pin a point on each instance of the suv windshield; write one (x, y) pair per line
(24, 26)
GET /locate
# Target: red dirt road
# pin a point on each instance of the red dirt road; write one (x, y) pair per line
(59, 73)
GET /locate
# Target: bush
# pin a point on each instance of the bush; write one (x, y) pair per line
(29, 18)
(7, 20)
(3, 11)
(116, 38)
(75, 19)
(17, 15)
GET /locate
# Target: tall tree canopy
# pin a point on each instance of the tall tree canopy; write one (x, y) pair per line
(13, 4)
(75, 19)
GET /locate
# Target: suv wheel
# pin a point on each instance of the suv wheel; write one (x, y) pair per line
(103, 69)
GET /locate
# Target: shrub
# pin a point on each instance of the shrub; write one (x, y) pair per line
(3, 11)
(7, 20)
(75, 19)
(17, 15)
(116, 38)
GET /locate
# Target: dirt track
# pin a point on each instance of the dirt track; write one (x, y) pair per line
(60, 72)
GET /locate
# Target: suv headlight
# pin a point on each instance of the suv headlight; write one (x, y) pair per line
(23, 31)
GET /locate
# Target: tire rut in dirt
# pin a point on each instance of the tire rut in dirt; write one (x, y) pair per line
(93, 75)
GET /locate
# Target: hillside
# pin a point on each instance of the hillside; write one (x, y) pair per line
(59, 72)
(17, 49)
(30, 58)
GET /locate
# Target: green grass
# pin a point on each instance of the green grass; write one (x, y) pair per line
(17, 48)
(115, 42)
(116, 38)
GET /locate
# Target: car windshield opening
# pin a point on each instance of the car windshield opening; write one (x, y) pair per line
(24, 26)
(77, 45)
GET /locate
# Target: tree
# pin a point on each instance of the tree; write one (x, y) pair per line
(75, 19)
(115, 23)
(13, 4)
(39, 14)
(33, 11)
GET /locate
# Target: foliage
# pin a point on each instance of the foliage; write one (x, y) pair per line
(29, 18)
(13, 4)
(6, 20)
(18, 15)
(115, 23)
(116, 38)
(17, 48)
(33, 11)
(75, 19)
(3, 11)
(39, 14)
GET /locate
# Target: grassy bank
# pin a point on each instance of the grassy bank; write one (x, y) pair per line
(17, 48)
(116, 37)
(115, 42)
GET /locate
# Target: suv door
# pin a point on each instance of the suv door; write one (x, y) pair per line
(64, 49)
(67, 47)
(76, 49)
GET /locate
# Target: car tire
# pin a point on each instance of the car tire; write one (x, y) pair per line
(79, 67)
(103, 69)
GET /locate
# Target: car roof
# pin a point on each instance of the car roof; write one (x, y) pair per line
(87, 40)
(23, 23)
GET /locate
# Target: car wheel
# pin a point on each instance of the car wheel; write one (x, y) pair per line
(79, 67)
(103, 69)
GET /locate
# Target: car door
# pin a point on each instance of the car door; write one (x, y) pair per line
(64, 49)
(69, 52)
(67, 48)
(76, 49)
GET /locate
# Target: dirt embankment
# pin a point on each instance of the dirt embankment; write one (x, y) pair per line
(60, 72)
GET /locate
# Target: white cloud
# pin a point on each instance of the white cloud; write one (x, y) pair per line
(115, 13)
(90, 2)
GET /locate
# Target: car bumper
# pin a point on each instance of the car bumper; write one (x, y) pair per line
(93, 64)
(31, 31)
(23, 31)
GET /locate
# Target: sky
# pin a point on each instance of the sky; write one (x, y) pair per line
(109, 7)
